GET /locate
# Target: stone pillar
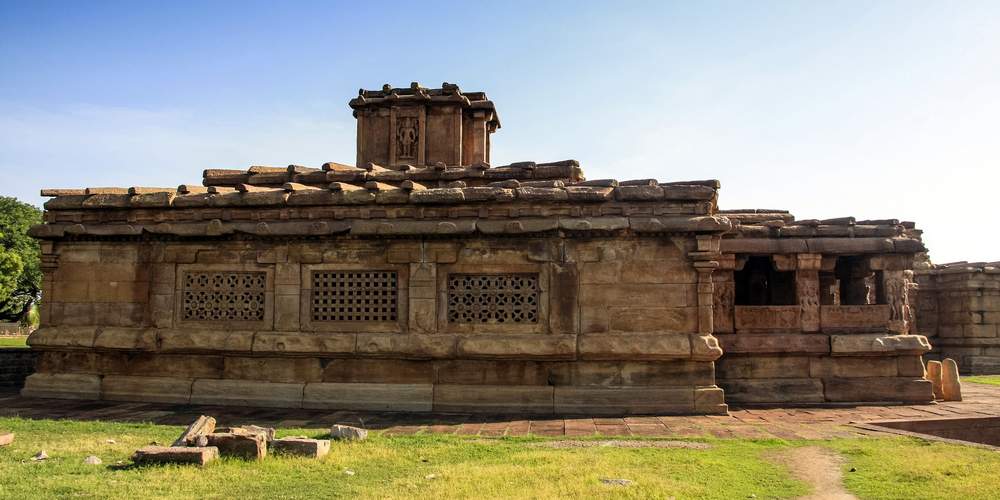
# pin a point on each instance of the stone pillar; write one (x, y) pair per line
(706, 261)
(808, 290)
(725, 294)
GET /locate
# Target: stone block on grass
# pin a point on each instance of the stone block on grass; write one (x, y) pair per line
(302, 447)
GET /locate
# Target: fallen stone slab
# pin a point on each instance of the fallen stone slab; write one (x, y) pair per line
(249, 430)
(248, 447)
(348, 433)
(302, 447)
(6, 438)
(951, 384)
(198, 455)
(202, 426)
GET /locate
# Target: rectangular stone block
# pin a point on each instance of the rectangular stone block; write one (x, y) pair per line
(63, 336)
(774, 343)
(247, 447)
(518, 346)
(493, 399)
(175, 455)
(203, 340)
(369, 397)
(304, 343)
(710, 401)
(161, 365)
(876, 389)
(273, 369)
(476, 372)
(878, 344)
(132, 339)
(850, 367)
(151, 389)
(634, 346)
(301, 447)
(910, 366)
(768, 318)
(62, 386)
(763, 366)
(667, 373)
(409, 345)
(854, 318)
(624, 400)
(778, 390)
(652, 319)
(381, 371)
(599, 373)
(247, 393)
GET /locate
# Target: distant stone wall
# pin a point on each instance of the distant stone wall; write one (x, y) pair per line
(959, 311)
(15, 365)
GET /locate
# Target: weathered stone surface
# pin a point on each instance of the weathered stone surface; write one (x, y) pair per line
(348, 433)
(301, 447)
(62, 336)
(710, 401)
(518, 346)
(481, 372)
(62, 386)
(934, 374)
(303, 343)
(202, 426)
(774, 343)
(492, 398)
(247, 393)
(763, 367)
(273, 369)
(155, 389)
(634, 346)
(876, 389)
(768, 318)
(155, 455)
(850, 367)
(412, 345)
(370, 397)
(854, 318)
(247, 447)
(878, 344)
(385, 371)
(951, 385)
(778, 390)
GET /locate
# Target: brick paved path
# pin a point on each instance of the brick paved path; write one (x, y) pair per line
(786, 423)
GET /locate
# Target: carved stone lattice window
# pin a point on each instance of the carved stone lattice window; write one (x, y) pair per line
(224, 296)
(493, 298)
(354, 296)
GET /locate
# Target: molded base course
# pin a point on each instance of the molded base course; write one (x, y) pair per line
(153, 389)
(62, 386)
(246, 393)
(774, 390)
(625, 400)
(369, 397)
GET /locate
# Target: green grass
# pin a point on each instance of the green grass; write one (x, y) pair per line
(983, 379)
(13, 341)
(465, 467)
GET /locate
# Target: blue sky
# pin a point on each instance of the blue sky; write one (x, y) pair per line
(871, 109)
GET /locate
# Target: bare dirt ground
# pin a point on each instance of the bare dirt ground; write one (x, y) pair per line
(820, 468)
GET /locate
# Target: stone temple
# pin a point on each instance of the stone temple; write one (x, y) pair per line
(425, 279)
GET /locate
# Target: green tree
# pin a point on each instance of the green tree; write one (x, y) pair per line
(20, 265)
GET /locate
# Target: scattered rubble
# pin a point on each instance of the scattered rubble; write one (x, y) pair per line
(201, 442)
(40, 456)
(93, 460)
(348, 433)
(616, 482)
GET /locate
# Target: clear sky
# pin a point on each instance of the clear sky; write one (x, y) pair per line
(873, 109)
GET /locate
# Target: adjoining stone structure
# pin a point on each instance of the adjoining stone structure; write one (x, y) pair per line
(425, 285)
(959, 310)
(814, 311)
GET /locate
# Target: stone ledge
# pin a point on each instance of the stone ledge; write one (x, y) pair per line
(247, 393)
(626, 400)
(878, 344)
(774, 343)
(62, 386)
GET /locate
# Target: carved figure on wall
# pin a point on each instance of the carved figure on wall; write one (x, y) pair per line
(406, 138)
(895, 294)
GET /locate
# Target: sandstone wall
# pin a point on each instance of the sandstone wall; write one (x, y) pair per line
(959, 311)
(621, 325)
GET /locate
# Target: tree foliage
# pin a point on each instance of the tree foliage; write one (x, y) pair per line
(20, 271)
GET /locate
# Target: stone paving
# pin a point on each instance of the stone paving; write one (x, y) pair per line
(760, 423)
